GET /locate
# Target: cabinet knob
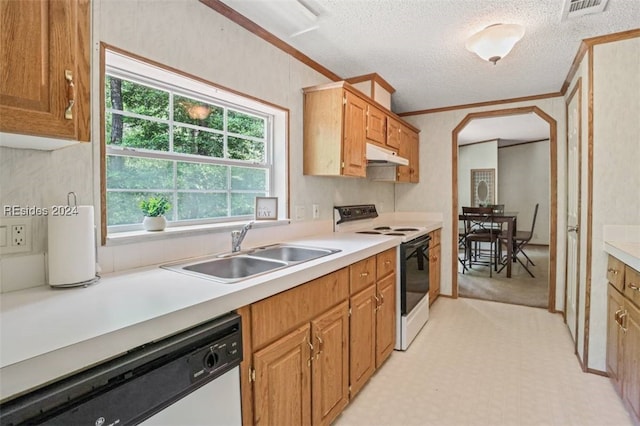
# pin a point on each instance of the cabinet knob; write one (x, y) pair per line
(364, 274)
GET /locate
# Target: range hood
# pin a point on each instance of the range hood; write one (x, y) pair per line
(377, 156)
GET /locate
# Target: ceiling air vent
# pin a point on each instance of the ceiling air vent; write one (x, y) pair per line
(576, 8)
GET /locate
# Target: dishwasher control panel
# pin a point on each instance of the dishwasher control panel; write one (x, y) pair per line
(216, 358)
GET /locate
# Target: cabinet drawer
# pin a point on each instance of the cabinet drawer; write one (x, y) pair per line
(615, 273)
(386, 263)
(362, 274)
(435, 238)
(278, 314)
(632, 285)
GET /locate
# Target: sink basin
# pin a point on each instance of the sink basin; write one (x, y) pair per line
(292, 253)
(232, 267)
(228, 269)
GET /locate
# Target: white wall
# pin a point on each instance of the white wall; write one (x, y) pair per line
(475, 156)
(524, 181)
(193, 38)
(616, 168)
(434, 192)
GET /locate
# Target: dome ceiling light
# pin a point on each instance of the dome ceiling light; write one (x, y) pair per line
(495, 42)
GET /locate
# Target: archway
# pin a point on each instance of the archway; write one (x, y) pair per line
(553, 191)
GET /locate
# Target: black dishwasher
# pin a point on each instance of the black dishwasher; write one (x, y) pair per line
(133, 387)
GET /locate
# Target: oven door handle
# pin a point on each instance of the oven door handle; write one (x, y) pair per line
(418, 244)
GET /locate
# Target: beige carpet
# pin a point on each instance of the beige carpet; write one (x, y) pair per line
(520, 289)
(479, 363)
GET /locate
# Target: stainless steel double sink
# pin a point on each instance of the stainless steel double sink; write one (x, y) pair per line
(231, 268)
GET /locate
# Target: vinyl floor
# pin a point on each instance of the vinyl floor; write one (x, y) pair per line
(481, 363)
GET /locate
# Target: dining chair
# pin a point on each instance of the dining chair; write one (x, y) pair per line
(520, 240)
(479, 229)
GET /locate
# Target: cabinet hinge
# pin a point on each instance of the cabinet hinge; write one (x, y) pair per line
(343, 164)
(344, 100)
(252, 374)
(349, 310)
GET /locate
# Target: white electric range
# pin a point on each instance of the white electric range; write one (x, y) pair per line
(412, 265)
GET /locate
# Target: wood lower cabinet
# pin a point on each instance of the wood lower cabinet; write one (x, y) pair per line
(300, 354)
(282, 390)
(44, 86)
(309, 349)
(631, 359)
(615, 306)
(623, 334)
(385, 319)
(434, 266)
(373, 310)
(362, 338)
(330, 365)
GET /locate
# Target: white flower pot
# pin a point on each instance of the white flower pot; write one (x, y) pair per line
(157, 223)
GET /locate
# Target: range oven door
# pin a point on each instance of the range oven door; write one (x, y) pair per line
(414, 272)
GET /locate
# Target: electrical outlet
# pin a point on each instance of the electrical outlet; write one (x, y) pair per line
(300, 212)
(16, 235)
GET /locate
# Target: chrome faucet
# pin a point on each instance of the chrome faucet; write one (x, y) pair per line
(238, 236)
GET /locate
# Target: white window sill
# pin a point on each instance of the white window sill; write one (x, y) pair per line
(129, 237)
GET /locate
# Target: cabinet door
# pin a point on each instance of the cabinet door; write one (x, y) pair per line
(376, 125)
(434, 266)
(631, 359)
(330, 373)
(282, 388)
(362, 338)
(386, 319)
(353, 149)
(393, 134)
(414, 157)
(45, 47)
(615, 306)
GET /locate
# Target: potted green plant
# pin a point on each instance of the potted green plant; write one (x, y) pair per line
(154, 209)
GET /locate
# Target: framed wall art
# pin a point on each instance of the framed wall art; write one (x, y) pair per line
(266, 208)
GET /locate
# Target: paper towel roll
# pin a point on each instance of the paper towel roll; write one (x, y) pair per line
(72, 249)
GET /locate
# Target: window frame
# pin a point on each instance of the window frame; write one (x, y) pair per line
(130, 67)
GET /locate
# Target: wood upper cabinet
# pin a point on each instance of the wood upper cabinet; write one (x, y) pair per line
(393, 134)
(376, 125)
(335, 122)
(339, 121)
(623, 333)
(44, 55)
(434, 266)
(410, 149)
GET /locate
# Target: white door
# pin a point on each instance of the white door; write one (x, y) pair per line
(573, 209)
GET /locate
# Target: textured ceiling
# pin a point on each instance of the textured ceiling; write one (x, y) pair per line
(510, 129)
(417, 46)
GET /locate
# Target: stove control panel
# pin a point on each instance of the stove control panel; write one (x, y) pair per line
(359, 212)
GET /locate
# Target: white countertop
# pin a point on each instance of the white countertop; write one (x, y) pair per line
(49, 333)
(627, 252)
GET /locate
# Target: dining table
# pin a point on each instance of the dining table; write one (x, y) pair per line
(510, 219)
